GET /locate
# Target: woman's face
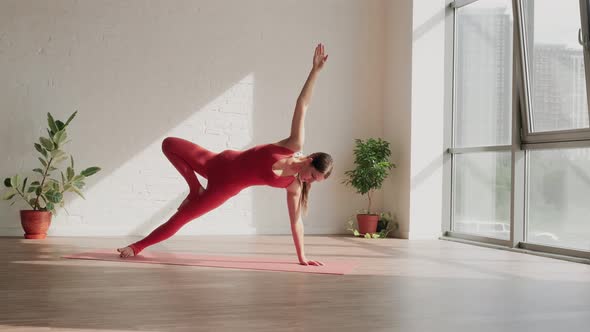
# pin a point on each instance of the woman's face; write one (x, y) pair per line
(309, 174)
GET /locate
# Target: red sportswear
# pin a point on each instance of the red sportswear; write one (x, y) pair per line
(227, 173)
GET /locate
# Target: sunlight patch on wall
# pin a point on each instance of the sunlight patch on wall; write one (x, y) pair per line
(146, 190)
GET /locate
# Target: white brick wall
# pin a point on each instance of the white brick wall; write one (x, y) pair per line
(223, 74)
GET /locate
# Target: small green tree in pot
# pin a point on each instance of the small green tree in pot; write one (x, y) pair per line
(372, 167)
(45, 195)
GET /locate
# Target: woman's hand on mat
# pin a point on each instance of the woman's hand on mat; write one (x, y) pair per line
(319, 58)
(310, 262)
(126, 252)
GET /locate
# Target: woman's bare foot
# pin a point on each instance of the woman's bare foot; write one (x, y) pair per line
(191, 197)
(126, 252)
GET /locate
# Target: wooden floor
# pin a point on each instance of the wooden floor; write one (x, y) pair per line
(400, 285)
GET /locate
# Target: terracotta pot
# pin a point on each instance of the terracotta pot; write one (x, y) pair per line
(35, 223)
(367, 223)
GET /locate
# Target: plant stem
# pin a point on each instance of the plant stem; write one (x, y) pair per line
(369, 209)
(42, 182)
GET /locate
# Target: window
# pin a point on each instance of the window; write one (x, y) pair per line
(483, 112)
(558, 191)
(482, 194)
(557, 83)
(526, 60)
(483, 74)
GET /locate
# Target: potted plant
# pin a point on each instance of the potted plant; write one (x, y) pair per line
(372, 167)
(45, 194)
(385, 225)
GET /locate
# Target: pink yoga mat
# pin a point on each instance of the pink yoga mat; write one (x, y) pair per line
(235, 262)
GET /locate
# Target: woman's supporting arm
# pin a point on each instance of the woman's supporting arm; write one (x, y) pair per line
(293, 195)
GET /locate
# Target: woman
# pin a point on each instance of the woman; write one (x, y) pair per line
(231, 171)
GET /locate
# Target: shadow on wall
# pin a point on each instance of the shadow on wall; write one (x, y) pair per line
(429, 24)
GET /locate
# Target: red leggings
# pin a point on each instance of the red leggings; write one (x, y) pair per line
(188, 158)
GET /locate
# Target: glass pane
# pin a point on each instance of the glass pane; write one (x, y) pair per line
(556, 65)
(481, 194)
(483, 74)
(559, 196)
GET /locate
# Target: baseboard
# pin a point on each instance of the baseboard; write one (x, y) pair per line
(96, 232)
(423, 236)
(11, 231)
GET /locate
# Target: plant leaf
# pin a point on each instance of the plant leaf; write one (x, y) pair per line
(54, 196)
(71, 118)
(31, 189)
(74, 189)
(47, 143)
(7, 183)
(60, 137)
(47, 186)
(8, 195)
(14, 181)
(60, 125)
(63, 178)
(43, 161)
(41, 150)
(24, 185)
(78, 177)
(38, 147)
(49, 206)
(57, 154)
(90, 171)
(61, 158)
(70, 172)
(38, 170)
(51, 123)
(72, 162)
(35, 183)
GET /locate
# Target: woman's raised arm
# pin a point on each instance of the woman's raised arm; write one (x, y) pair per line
(297, 137)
